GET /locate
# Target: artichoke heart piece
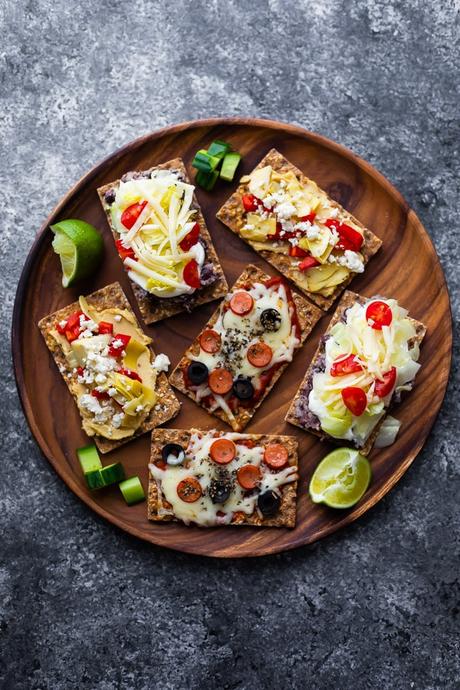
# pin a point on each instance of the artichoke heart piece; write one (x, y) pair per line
(134, 350)
(259, 181)
(261, 227)
(128, 388)
(319, 247)
(82, 346)
(325, 277)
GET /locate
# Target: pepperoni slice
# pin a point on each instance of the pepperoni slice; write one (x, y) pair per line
(222, 451)
(276, 456)
(220, 381)
(355, 400)
(248, 476)
(189, 490)
(383, 388)
(378, 314)
(260, 354)
(210, 341)
(241, 303)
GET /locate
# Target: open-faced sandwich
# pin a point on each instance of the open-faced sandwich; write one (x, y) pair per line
(248, 342)
(211, 478)
(367, 358)
(163, 241)
(106, 360)
(299, 229)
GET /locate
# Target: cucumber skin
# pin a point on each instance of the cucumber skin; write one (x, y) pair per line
(206, 180)
(89, 458)
(219, 148)
(94, 480)
(105, 476)
(132, 486)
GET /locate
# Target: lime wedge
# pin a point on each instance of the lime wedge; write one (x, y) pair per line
(340, 479)
(80, 248)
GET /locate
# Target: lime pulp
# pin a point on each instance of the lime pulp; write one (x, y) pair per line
(79, 246)
(341, 478)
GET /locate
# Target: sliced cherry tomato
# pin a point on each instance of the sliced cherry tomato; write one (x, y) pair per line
(276, 456)
(105, 327)
(131, 214)
(378, 314)
(189, 490)
(250, 202)
(125, 252)
(222, 451)
(259, 354)
(355, 400)
(308, 219)
(295, 250)
(191, 274)
(248, 476)
(307, 263)
(349, 238)
(118, 344)
(241, 303)
(100, 395)
(220, 381)
(130, 374)
(383, 388)
(345, 365)
(210, 341)
(190, 238)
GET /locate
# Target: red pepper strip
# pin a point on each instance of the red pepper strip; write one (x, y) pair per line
(130, 374)
(307, 263)
(100, 395)
(308, 219)
(72, 328)
(105, 327)
(275, 280)
(116, 350)
(349, 237)
(125, 252)
(297, 252)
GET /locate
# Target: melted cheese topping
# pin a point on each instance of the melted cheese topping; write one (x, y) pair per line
(156, 235)
(198, 464)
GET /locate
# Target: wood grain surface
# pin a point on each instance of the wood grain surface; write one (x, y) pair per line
(406, 268)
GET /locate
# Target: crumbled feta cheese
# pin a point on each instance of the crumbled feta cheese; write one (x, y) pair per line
(112, 391)
(249, 226)
(139, 408)
(352, 261)
(314, 232)
(117, 343)
(285, 210)
(333, 212)
(161, 363)
(63, 323)
(117, 318)
(117, 419)
(101, 378)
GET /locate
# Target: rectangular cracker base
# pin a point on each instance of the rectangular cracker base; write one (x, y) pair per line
(348, 300)
(152, 309)
(307, 314)
(233, 216)
(286, 516)
(110, 296)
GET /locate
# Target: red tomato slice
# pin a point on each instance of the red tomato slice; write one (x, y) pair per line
(241, 303)
(220, 381)
(378, 314)
(124, 252)
(222, 451)
(297, 251)
(130, 374)
(250, 202)
(116, 350)
(248, 476)
(276, 456)
(348, 365)
(189, 490)
(259, 354)
(191, 274)
(307, 263)
(210, 341)
(190, 238)
(355, 400)
(105, 327)
(383, 388)
(131, 214)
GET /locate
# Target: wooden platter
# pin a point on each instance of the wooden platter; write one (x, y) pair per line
(406, 268)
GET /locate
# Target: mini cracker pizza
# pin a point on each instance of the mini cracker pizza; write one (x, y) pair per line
(299, 229)
(106, 360)
(211, 478)
(367, 358)
(163, 241)
(244, 348)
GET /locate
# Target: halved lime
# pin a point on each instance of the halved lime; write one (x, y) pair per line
(80, 248)
(340, 479)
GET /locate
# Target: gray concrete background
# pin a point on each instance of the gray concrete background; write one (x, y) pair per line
(81, 604)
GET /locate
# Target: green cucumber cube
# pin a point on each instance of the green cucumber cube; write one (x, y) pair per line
(229, 166)
(219, 148)
(94, 479)
(89, 458)
(112, 474)
(132, 490)
(203, 161)
(206, 180)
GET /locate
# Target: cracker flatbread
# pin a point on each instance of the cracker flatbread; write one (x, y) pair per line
(233, 216)
(159, 509)
(111, 296)
(308, 316)
(155, 309)
(348, 300)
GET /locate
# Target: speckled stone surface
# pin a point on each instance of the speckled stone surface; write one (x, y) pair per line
(84, 606)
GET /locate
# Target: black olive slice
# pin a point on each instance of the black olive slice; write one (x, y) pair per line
(268, 503)
(173, 454)
(220, 488)
(197, 372)
(270, 320)
(243, 388)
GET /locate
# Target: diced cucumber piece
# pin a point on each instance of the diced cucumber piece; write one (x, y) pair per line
(94, 479)
(112, 474)
(219, 148)
(204, 162)
(132, 490)
(229, 165)
(206, 180)
(89, 458)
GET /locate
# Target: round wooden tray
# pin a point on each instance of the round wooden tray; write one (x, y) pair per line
(406, 268)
